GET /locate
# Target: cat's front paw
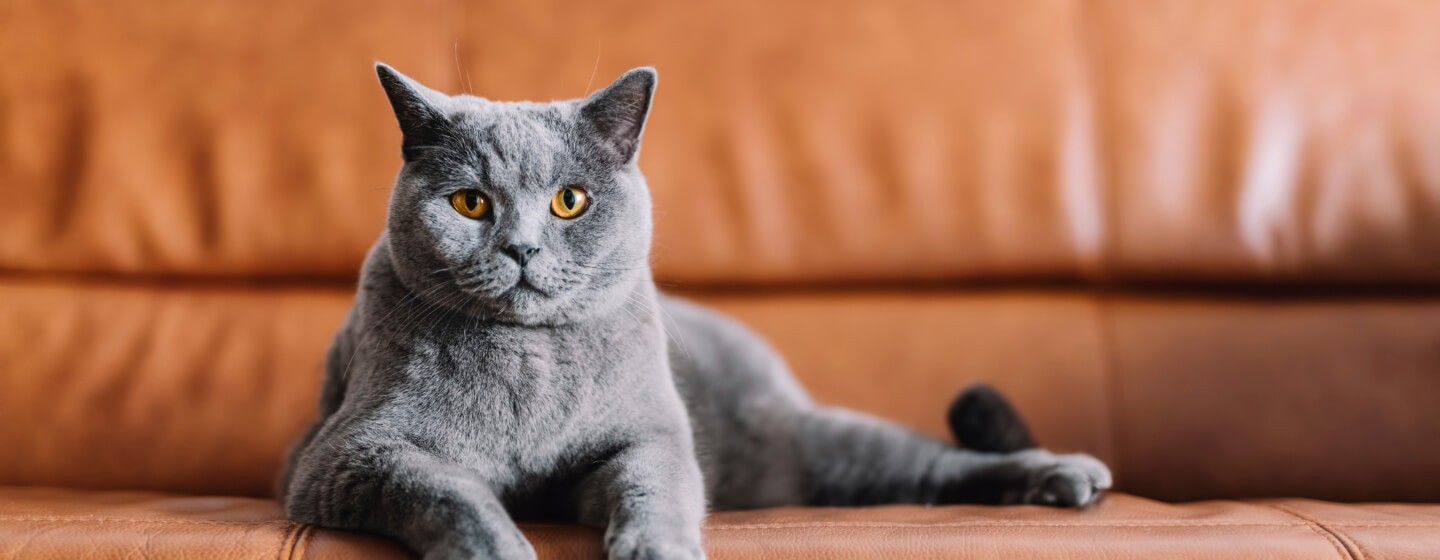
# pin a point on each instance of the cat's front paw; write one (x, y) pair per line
(1064, 480)
(635, 545)
(505, 545)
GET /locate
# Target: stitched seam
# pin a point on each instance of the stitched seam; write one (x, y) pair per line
(114, 520)
(310, 530)
(1387, 524)
(1359, 550)
(1335, 541)
(1350, 543)
(991, 524)
(302, 541)
(287, 542)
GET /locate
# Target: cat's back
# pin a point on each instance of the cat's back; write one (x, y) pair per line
(719, 362)
(739, 395)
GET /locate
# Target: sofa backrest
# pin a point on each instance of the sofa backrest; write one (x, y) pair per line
(796, 144)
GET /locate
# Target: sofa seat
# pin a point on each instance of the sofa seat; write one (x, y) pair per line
(63, 523)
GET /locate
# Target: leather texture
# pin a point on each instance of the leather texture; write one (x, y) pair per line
(1121, 140)
(53, 523)
(1196, 239)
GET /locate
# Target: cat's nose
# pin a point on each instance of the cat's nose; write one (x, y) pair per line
(521, 252)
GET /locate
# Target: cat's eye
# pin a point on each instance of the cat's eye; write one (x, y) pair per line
(569, 202)
(469, 203)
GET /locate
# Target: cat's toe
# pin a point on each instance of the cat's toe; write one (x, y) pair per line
(1072, 480)
(1061, 488)
(637, 547)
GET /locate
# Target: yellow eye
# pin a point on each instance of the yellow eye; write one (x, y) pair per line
(469, 203)
(569, 202)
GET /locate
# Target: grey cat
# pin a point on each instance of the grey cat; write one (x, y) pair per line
(508, 356)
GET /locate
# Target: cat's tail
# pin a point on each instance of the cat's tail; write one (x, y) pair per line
(982, 420)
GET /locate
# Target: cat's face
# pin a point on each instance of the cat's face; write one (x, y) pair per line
(533, 213)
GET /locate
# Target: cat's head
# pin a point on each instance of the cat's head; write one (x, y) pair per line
(532, 213)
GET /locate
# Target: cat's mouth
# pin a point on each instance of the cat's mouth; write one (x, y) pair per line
(526, 285)
(524, 288)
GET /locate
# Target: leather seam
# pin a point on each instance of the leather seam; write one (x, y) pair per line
(287, 541)
(1350, 544)
(1341, 547)
(989, 524)
(115, 520)
(303, 536)
(1386, 524)
(309, 530)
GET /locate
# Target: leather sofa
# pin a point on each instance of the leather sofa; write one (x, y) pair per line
(1200, 240)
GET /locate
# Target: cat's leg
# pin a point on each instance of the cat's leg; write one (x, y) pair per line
(436, 508)
(849, 458)
(650, 501)
(766, 444)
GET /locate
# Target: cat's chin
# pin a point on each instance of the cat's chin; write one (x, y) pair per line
(521, 303)
(524, 297)
(541, 300)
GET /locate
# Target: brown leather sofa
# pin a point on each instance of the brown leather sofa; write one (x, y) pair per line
(1200, 240)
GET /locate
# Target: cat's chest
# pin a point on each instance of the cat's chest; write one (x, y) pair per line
(524, 396)
(507, 376)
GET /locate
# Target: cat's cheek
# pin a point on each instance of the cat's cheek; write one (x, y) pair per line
(456, 238)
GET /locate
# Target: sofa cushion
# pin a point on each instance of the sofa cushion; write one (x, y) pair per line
(200, 389)
(55, 523)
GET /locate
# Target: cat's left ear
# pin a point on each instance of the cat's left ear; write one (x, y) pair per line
(617, 113)
(417, 108)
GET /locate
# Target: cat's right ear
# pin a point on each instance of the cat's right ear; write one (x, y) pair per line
(416, 108)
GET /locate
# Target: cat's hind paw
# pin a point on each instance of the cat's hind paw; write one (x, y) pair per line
(1066, 481)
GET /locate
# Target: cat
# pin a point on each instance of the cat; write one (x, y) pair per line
(508, 356)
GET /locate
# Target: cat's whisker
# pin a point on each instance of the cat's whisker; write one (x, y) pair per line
(671, 333)
(641, 263)
(625, 307)
(482, 278)
(441, 305)
(413, 318)
(407, 322)
(344, 374)
(476, 270)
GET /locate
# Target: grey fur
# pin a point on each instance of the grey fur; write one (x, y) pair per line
(465, 390)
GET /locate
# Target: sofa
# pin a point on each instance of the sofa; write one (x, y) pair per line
(1198, 240)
